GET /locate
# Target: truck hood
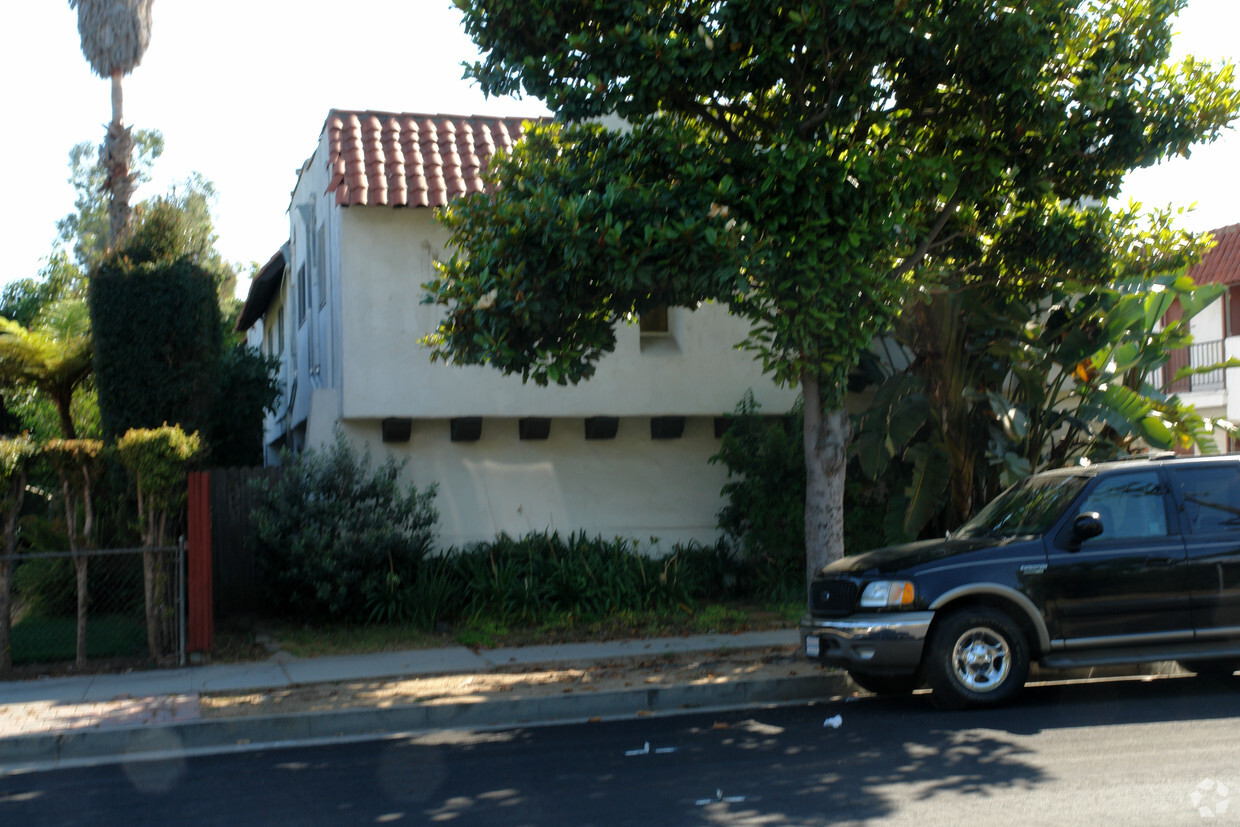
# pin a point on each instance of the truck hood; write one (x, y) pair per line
(903, 558)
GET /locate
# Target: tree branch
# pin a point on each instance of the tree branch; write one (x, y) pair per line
(913, 260)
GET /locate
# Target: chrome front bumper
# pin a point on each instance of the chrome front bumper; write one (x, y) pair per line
(889, 642)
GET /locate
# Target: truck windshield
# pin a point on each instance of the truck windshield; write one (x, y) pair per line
(1029, 507)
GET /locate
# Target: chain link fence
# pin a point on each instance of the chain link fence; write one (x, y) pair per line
(134, 605)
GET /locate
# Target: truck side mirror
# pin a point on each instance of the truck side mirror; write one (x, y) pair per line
(1087, 525)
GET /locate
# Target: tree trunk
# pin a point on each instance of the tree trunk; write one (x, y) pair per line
(63, 403)
(158, 578)
(16, 496)
(88, 509)
(88, 536)
(826, 458)
(150, 576)
(154, 640)
(79, 564)
(6, 648)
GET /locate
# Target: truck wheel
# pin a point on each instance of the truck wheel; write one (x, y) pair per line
(977, 657)
(885, 684)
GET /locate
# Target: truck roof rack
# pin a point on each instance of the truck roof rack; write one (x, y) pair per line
(1146, 456)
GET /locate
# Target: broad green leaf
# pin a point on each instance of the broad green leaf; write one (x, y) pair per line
(1125, 403)
(1197, 300)
(931, 473)
(908, 416)
(1155, 431)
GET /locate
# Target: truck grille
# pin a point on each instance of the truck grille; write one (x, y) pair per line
(833, 597)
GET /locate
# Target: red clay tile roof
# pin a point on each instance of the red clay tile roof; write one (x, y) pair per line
(1222, 264)
(410, 160)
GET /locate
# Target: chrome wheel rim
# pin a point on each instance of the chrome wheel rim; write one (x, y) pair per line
(981, 659)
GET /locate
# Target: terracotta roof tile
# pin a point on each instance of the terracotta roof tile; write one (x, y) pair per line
(1222, 264)
(411, 160)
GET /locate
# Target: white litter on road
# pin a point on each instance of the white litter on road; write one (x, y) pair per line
(719, 798)
(834, 723)
(645, 750)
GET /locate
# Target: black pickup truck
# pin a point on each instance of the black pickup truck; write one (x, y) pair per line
(1121, 562)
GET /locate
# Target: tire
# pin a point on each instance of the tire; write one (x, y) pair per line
(885, 684)
(978, 656)
(1218, 668)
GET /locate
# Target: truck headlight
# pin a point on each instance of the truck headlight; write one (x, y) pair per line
(883, 594)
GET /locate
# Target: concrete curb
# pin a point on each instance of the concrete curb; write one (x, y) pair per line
(48, 750)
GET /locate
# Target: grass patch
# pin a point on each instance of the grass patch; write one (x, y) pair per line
(47, 639)
(483, 634)
(313, 640)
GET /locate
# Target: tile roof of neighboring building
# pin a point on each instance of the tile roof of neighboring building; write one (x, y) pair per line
(411, 160)
(1222, 264)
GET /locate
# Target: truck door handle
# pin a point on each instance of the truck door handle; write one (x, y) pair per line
(1160, 561)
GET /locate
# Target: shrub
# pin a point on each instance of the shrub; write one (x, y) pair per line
(542, 576)
(247, 392)
(337, 539)
(543, 579)
(158, 459)
(765, 511)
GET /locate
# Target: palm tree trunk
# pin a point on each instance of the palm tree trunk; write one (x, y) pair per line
(117, 149)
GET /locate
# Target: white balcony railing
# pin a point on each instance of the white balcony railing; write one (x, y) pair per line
(1198, 354)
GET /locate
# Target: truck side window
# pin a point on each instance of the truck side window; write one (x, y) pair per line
(1211, 497)
(1131, 506)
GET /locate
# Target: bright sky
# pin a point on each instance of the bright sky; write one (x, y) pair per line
(240, 90)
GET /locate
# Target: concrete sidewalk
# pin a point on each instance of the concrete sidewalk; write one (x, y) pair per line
(56, 722)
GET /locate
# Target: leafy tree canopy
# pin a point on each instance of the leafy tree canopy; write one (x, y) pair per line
(800, 162)
(85, 229)
(162, 353)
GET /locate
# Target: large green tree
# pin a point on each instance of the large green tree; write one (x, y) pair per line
(802, 162)
(85, 230)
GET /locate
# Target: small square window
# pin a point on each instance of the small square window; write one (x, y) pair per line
(654, 320)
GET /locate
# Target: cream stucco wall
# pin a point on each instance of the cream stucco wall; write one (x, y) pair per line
(386, 255)
(630, 486)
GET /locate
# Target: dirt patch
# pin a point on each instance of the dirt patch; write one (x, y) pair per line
(527, 681)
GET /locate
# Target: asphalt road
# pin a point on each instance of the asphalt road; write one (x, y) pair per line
(1124, 752)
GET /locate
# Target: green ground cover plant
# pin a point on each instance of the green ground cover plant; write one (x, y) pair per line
(38, 639)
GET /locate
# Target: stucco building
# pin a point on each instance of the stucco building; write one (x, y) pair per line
(625, 453)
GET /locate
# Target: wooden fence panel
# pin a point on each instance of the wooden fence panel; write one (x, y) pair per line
(236, 575)
(200, 614)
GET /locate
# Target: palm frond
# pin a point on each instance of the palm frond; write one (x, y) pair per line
(115, 33)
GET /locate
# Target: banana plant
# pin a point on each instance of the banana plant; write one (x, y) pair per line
(996, 387)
